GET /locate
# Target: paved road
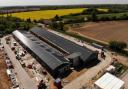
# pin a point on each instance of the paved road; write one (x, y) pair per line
(22, 75)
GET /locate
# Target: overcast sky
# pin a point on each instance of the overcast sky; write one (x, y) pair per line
(59, 2)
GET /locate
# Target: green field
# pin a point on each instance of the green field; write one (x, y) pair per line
(46, 14)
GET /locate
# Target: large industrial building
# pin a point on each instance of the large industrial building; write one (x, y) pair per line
(48, 57)
(75, 53)
(55, 53)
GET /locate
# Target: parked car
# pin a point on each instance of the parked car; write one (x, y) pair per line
(18, 57)
(13, 48)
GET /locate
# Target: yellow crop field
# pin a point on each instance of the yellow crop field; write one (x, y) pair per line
(104, 10)
(46, 14)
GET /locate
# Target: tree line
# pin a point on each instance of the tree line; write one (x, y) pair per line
(93, 14)
(9, 24)
(114, 7)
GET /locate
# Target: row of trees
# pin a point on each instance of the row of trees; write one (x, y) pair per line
(9, 24)
(117, 8)
(96, 15)
(117, 46)
(93, 14)
(107, 17)
(57, 25)
(90, 14)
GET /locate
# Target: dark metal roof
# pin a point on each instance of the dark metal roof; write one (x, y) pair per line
(74, 55)
(53, 61)
(65, 44)
(45, 46)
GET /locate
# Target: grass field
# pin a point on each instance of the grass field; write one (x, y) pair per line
(46, 14)
(105, 31)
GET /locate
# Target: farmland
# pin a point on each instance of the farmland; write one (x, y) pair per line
(46, 14)
(105, 31)
(4, 80)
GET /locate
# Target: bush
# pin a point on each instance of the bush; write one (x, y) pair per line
(117, 46)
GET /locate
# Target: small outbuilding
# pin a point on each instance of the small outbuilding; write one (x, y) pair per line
(109, 81)
(111, 69)
(75, 59)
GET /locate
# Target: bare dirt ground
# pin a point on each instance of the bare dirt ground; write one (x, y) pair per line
(80, 71)
(74, 75)
(105, 31)
(4, 80)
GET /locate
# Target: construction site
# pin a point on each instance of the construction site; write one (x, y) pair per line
(49, 60)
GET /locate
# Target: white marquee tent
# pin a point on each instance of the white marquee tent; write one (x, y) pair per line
(109, 81)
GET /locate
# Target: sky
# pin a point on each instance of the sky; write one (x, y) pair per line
(58, 2)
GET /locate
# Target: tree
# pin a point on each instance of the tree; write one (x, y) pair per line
(94, 15)
(29, 20)
(56, 18)
(17, 25)
(61, 25)
(114, 18)
(9, 24)
(117, 46)
(88, 11)
(84, 11)
(26, 26)
(54, 25)
(124, 17)
(35, 21)
(2, 27)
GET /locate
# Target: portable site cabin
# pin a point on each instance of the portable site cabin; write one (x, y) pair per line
(109, 81)
(111, 69)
